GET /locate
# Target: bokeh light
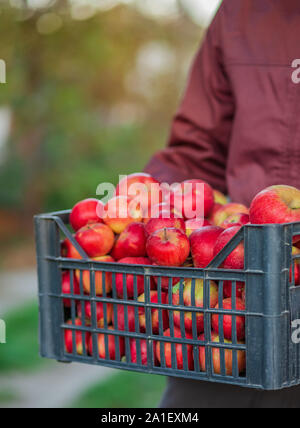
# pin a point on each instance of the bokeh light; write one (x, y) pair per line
(80, 12)
(200, 11)
(49, 23)
(167, 9)
(40, 4)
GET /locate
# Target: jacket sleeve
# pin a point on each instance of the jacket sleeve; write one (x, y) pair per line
(200, 134)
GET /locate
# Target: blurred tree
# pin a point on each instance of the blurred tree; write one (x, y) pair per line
(90, 99)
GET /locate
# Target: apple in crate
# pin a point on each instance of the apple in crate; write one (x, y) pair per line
(112, 347)
(187, 316)
(68, 335)
(86, 211)
(162, 210)
(69, 251)
(211, 217)
(227, 289)
(216, 356)
(236, 220)
(143, 351)
(193, 198)
(199, 293)
(86, 277)
(142, 187)
(129, 278)
(99, 313)
(195, 224)
(179, 351)
(203, 242)
(154, 313)
(164, 223)
(296, 251)
(227, 320)
(135, 349)
(220, 198)
(235, 260)
(96, 239)
(276, 204)
(121, 211)
(168, 247)
(131, 242)
(164, 280)
(228, 210)
(120, 323)
(66, 287)
(188, 302)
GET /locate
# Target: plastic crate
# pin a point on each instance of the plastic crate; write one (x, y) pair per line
(272, 303)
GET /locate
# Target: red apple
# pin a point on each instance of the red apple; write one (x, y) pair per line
(193, 198)
(179, 351)
(163, 223)
(216, 356)
(99, 313)
(69, 251)
(129, 283)
(86, 277)
(168, 247)
(296, 251)
(187, 316)
(131, 242)
(227, 210)
(199, 302)
(244, 296)
(112, 352)
(203, 242)
(96, 239)
(120, 323)
(165, 281)
(86, 211)
(199, 293)
(121, 211)
(236, 220)
(276, 204)
(227, 289)
(141, 187)
(154, 312)
(68, 335)
(212, 215)
(235, 260)
(220, 198)
(195, 224)
(227, 320)
(162, 210)
(143, 350)
(66, 287)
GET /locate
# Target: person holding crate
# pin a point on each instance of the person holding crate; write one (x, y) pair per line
(238, 128)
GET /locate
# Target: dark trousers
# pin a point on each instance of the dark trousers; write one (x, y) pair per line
(182, 393)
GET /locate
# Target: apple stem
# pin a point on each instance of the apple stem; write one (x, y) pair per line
(165, 233)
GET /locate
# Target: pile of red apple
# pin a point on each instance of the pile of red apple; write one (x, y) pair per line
(166, 237)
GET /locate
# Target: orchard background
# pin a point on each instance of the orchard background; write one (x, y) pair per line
(92, 86)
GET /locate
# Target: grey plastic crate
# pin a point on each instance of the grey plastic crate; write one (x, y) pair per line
(272, 303)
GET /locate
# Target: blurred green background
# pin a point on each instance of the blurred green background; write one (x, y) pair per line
(91, 89)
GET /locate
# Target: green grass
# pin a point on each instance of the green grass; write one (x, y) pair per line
(124, 390)
(21, 352)
(7, 397)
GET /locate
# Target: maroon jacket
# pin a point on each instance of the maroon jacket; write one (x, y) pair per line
(238, 126)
